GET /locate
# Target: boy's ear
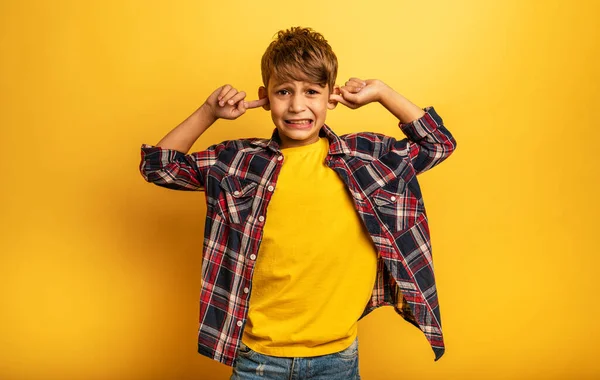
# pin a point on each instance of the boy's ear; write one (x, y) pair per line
(331, 104)
(262, 93)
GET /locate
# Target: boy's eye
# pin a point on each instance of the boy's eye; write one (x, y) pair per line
(310, 92)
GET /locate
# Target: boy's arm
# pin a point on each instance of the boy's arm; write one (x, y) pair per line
(183, 136)
(428, 142)
(167, 163)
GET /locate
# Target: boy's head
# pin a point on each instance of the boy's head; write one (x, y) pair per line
(299, 70)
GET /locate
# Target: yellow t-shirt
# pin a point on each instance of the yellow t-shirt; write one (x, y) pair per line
(316, 266)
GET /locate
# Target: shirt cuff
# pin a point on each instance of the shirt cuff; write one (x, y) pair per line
(420, 128)
(148, 146)
(157, 157)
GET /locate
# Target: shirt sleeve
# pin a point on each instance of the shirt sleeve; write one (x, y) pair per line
(428, 141)
(175, 170)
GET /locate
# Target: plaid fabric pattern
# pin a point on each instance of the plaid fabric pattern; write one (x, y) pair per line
(239, 178)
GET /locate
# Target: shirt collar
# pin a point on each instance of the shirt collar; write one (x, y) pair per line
(336, 144)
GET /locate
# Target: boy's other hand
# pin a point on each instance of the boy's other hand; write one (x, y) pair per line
(357, 92)
(227, 103)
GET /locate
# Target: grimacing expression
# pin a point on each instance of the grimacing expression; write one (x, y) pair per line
(298, 110)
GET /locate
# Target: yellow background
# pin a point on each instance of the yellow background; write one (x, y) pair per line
(100, 271)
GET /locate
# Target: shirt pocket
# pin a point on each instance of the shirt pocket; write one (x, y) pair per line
(397, 207)
(237, 198)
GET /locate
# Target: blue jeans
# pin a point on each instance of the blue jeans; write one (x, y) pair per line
(251, 365)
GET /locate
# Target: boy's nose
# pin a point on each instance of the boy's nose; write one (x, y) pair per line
(296, 104)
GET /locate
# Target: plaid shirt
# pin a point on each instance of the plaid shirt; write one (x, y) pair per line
(239, 177)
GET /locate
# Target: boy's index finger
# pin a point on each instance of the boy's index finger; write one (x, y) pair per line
(257, 103)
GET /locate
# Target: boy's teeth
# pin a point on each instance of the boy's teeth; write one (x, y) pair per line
(298, 121)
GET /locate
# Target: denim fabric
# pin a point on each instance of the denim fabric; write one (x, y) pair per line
(251, 365)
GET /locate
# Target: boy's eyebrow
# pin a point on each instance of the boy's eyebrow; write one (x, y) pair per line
(305, 83)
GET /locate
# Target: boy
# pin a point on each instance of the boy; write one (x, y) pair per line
(307, 232)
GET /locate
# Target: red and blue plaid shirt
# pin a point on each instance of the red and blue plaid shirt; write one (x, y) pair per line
(239, 178)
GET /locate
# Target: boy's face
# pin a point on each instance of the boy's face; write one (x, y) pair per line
(298, 110)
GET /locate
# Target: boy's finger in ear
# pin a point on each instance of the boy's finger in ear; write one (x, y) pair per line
(257, 103)
(340, 99)
(241, 106)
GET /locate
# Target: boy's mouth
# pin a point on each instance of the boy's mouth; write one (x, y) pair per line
(299, 123)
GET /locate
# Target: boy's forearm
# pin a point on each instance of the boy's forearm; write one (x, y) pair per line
(399, 106)
(182, 137)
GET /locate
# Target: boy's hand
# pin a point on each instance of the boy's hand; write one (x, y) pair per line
(227, 103)
(357, 92)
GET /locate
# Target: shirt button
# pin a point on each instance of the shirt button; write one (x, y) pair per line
(270, 188)
(239, 323)
(261, 218)
(253, 257)
(236, 193)
(246, 290)
(279, 158)
(393, 199)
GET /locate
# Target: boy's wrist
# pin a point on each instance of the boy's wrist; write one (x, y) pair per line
(206, 114)
(385, 94)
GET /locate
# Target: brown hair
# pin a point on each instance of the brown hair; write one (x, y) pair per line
(300, 54)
